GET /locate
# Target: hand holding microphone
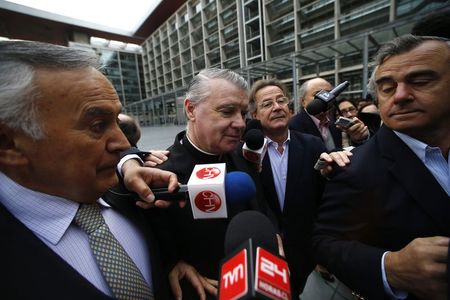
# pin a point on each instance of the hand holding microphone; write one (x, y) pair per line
(210, 189)
(138, 179)
(255, 147)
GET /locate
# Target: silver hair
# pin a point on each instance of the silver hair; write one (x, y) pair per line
(397, 46)
(302, 90)
(18, 92)
(199, 88)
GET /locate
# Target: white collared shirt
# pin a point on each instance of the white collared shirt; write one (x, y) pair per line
(50, 219)
(432, 158)
(279, 164)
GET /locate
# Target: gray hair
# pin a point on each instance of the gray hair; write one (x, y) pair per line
(199, 88)
(18, 93)
(397, 46)
(302, 90)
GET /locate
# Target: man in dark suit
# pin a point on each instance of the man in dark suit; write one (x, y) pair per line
(320, 125)
(384, 223)
(215, 105)
(60, 144)
(291, 185)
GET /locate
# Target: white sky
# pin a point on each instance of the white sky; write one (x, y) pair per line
(123, 17)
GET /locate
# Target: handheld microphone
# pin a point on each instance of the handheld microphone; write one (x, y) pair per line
(323, 98)
(255, 147)
(210, 189)
(251, 270)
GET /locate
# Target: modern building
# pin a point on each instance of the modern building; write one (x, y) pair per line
(122, 65)
(292, 40)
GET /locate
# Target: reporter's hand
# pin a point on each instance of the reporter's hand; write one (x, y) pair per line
(357, 132)
(341, 158)
(420, 267)
(138, 179)
(199, 282)
(156, 157)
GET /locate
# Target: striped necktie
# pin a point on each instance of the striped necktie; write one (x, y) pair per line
(121, 274)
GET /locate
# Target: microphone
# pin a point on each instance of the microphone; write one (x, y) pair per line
(323, 98)
(210, 189)
(253, 124)
(251, 270)
(255, 147)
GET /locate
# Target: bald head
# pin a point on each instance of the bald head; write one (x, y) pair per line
(130, 128)
(309, 88)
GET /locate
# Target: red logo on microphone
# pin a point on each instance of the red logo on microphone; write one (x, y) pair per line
(208, 201)
(208, 173)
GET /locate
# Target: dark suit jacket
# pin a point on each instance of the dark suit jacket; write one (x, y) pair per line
(382, 201)
(198, 242)
(302, 122)
(31, 270)
(304, 188)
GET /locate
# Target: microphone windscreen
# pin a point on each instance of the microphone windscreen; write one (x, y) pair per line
(251, 224)
(316, 107)
(253, 124)
(254, 139)
(239, 188)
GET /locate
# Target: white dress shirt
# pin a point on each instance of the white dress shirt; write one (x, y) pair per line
(50, 219)
(279, 164)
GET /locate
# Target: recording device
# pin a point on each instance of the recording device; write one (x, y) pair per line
(251, 270)
(320, 164)
(255, 147)
(344, 122)
(323, 98)
(210, 189)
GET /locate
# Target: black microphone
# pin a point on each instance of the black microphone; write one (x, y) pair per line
(255, 147)
(323, 98)
(251, 270)
(253, 124)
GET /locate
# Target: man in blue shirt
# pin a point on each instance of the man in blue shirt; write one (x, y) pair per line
(384, 224)
(60, 143)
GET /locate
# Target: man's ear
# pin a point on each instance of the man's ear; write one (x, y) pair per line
(10, 154)
(302, 102)
(189, 109)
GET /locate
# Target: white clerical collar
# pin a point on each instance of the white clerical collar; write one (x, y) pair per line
(196, 147)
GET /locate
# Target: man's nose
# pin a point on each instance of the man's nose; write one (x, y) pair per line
(118, 141)
(403, 92)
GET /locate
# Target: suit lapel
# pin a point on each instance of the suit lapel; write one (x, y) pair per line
(269, 187)
(295, 173)
(310, 124)
(415, 178)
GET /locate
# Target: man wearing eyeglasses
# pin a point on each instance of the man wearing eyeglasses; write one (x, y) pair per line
(357, 132)
(288, 168)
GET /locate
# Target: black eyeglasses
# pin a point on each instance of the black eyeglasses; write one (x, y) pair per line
(348, 110)
(268, 104)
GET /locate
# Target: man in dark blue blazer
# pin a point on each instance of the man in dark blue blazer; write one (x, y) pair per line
(384, 224)
(320, 125)
(60, 144)
(291, 185)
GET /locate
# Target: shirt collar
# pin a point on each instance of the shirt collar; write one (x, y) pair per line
(198, 149)
(418, 147)
(46, 215)
(269, 141)
(317, 121)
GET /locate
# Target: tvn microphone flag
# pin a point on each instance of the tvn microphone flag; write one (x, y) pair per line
(251, 270)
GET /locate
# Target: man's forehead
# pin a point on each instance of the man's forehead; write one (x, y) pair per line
(267, 90)
(427, 55)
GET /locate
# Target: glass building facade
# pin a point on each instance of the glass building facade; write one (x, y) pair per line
(292, 40)
(124, 69)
